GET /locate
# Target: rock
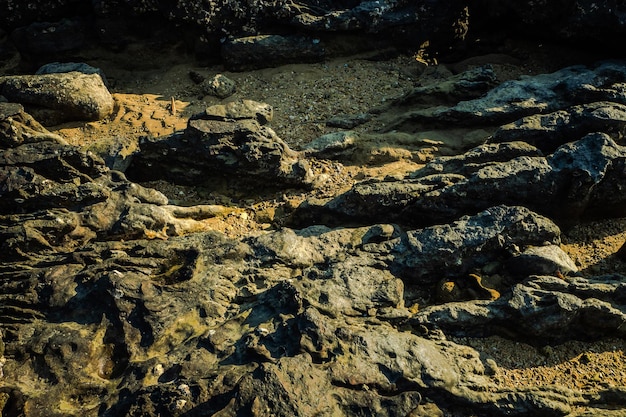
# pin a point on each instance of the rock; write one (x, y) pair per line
(63, 67)
(219, 86)
(549, 131)
(332, 145)
(541, 260)
(45, 41)
(226, 142)
(56, 98)
(56, 197)
(18, 127)
(270, 51)
(545, 309)
(515, 99)
(469, 243)
(238, 110)
(579, 179)
(467, 85)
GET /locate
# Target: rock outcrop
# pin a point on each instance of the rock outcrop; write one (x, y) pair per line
(116, 302)
(231, 142)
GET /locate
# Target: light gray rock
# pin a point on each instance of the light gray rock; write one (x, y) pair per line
(263, 113)
(541, 260)
(332, 145)
(57, 98)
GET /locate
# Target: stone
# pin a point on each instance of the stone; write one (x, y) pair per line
(226, 142)
(541, 260)
(579, 179)
(332, 145)
(18, 127)
(238, 110)
(469, 243)
(44, 40)
(57, 98)
(219, 86)
(545, 309)
(549, 131)
(270, 51)
(515, 99)
(467, 85)
(62, 67)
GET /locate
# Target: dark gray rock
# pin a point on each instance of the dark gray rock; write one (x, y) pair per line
(467, 85)
(515, 99)
(470, 243)
(55, 197)
(549, 131)
(48, 40)
(225, 142)
(62, 67)
(18, 127)
(56, 98)
(270, 51)
(541, 260)
(219, 86)
(541, 308)
(579, 179)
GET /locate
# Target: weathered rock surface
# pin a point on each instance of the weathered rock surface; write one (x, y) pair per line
(540, 309)
(116, 303)
(231, 142)
(580, 179)
(270, 51)
(549, 131)
(512, 100)
(18, 127)
(219, 86)
(60, 97)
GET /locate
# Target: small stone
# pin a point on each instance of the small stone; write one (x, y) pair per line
(219, 86)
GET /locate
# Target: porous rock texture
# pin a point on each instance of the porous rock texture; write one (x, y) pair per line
(60, 97)
(116, 303)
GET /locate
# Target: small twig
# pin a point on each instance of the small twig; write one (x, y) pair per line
(173, 107)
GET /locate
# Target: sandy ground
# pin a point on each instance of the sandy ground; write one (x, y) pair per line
(304, 97)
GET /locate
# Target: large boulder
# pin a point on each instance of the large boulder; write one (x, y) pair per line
(230, 142)
(60, 97)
